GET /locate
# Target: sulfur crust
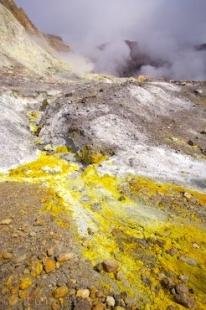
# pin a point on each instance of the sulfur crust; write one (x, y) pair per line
(105, 202)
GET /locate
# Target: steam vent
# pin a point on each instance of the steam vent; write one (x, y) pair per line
(102, 162)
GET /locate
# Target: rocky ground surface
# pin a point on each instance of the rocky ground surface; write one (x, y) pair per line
(102, 182)
(102, 193)
(41, 267)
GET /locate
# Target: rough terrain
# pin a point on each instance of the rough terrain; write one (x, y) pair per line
(102, 185)
(94, 142)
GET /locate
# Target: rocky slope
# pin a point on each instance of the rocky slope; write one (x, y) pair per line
(22, 44)
(102, 186)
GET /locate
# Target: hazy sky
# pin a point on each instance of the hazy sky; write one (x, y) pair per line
(163, 27)
(77, 18)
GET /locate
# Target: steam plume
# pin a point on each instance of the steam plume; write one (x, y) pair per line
(170, 33)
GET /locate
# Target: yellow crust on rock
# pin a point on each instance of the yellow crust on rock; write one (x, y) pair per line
(127, 223)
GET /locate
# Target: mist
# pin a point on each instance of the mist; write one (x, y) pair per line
(168, 36)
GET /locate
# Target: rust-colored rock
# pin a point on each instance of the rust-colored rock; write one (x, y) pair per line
(110, 265)
(49, 265)
(60, 292)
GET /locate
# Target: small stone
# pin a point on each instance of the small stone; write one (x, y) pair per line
(146, 280)
(55, 305)
(183, 278)
(171, 251)
(49, 265)
(182, 296)
(83, 293)
(60, 292)
(100, 294)
(190, 142)
(73, 281)
(167, 283)
(90, 231)
(187, 195)
(64, 257)
(13, 300)
(25, 283)
(26, 271)
(72, 292)
(50, 252)
(119, 276)
(6, 255)
(188, 260)
(195, 246)
(98, 268)
(36, 268)
(6, 222)
(110, 265)
(110, 301)
(61, 282)
(23, 294)
(38, 222)
(141, 79)
(93, 292)
(99, 307)
(32, 234)
(9, 282)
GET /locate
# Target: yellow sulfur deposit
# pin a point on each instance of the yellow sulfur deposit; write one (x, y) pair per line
(153, 230)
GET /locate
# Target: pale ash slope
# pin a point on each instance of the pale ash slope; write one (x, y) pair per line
(19, 47)
(156, 129)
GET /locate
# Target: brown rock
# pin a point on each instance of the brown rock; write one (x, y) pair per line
(93, 292)
(110, 265)
(182, 296)
(187, 195)
(64, 257)
(36, 268)
(49, 265)
(171, 251)
(23, 294)
(50, 252)
(167, 283)
(60, 292)
(98, 267)
(83, 293)
(6, 255)
(13, 300)
(6, 222)
(55, 305)
(119, 276)
(188, 260)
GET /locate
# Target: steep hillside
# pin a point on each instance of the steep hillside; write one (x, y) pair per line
(55, 42)
(20, 16)
(22, 44)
